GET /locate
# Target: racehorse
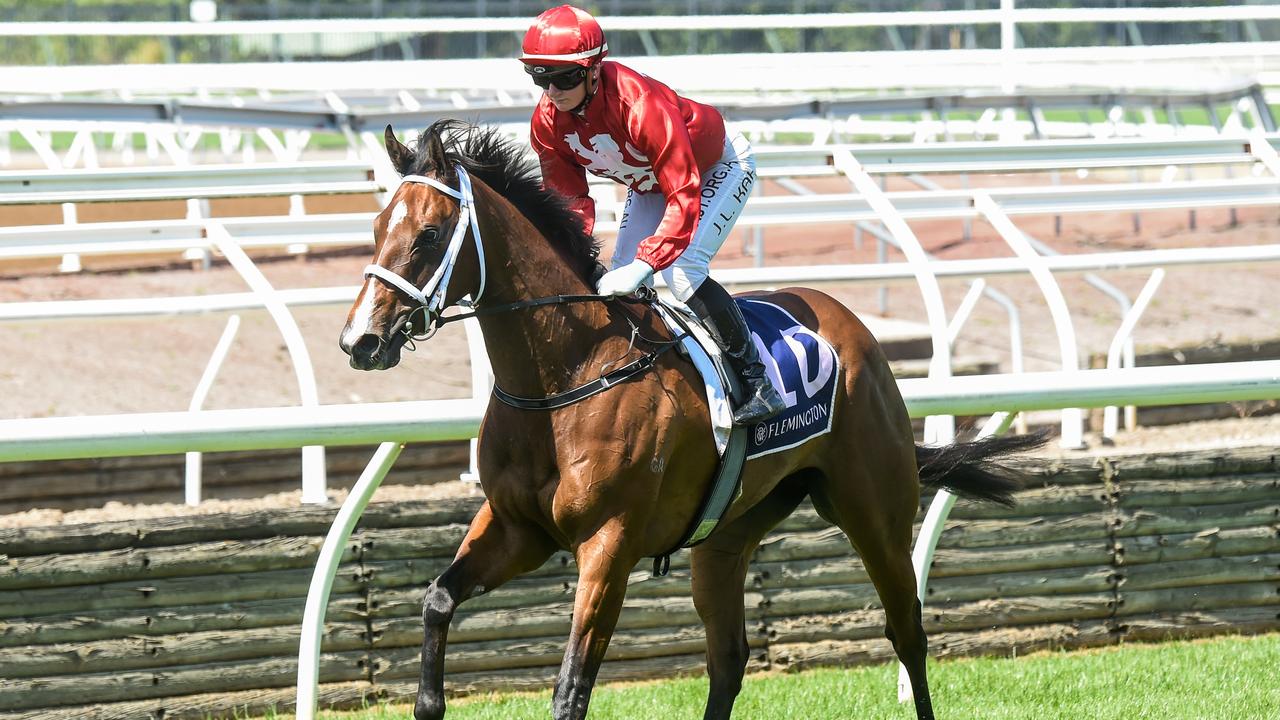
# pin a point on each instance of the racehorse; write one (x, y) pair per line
(619, 473)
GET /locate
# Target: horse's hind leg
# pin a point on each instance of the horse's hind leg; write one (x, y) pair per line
(895, 582)
(719, 571)
(492, 553)
(875, 507)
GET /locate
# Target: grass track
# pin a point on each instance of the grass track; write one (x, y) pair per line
(1231, 678)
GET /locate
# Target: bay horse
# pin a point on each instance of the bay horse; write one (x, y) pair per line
(619, 475)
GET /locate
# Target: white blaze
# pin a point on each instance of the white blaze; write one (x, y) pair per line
(363, 316)
(398, 215)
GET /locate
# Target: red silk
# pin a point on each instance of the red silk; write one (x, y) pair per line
(640, 133)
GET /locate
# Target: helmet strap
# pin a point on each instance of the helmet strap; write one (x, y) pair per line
(592, 79)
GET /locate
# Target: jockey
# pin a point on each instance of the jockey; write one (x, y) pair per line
(687, 180)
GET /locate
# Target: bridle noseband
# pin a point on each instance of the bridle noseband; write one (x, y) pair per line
(431, 297)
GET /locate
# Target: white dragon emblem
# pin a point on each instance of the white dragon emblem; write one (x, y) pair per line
(605, 158)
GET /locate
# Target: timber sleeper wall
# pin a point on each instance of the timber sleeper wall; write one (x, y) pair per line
(74, 484)
(196, 616)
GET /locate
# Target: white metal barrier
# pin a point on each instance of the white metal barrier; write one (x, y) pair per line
(902, 272)
(1198, 66)
(193, 481)
(118, 238)
(396, 423)
(1007, 14)
(1003, 66)
(180, 128)
(812, 208)
(181, 183)
(313, 465)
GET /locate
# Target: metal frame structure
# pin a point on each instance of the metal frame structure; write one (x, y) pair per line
(338, 111)
(113, 238)
(1205, 66)
(177, 126)
(447, 420)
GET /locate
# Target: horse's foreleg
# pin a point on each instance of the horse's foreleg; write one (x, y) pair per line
(602, 584)
(719, 572)
(492, 553)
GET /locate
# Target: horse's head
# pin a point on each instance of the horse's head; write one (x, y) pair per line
(419, 266)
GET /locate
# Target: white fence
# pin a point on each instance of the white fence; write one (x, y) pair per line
(1006, 66)
(1197, 67)
(1255, 154)
(1007, 15)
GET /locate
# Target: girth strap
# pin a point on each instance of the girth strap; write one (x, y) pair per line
(725, 488)
(725, 485)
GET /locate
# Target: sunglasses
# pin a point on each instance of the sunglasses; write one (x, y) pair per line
(562, 80)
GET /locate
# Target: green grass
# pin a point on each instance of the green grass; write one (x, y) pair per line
(1232, 678)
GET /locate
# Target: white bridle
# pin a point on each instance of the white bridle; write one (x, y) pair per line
(431, 297)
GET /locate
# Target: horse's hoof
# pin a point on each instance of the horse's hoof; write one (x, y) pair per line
(428, 709)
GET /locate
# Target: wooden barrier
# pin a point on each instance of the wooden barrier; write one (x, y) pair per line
(75, 484)
(196, 617)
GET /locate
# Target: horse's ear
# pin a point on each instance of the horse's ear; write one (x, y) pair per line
(435, 151)
(401, 156)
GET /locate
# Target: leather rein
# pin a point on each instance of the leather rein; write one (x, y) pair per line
(431, 303)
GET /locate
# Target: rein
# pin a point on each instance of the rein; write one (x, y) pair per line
(431, 303)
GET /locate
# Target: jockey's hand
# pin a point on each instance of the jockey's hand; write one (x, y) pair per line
(626, 279)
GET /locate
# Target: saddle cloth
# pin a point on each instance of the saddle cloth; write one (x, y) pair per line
(803, 367)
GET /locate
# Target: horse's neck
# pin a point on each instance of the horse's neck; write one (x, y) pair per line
(534, 351)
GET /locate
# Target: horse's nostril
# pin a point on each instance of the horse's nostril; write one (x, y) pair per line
(367, 347)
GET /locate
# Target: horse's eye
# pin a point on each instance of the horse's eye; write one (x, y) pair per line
(429, 236)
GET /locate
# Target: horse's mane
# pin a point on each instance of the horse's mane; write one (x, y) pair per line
(511, 172)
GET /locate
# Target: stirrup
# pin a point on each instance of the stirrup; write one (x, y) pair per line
(764, 403)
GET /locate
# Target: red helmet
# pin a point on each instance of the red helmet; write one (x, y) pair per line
(564, 35)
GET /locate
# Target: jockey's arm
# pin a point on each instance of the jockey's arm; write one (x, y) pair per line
(660, 132)
(561, 173)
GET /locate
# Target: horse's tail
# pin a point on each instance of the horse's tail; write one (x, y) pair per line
(967, 468)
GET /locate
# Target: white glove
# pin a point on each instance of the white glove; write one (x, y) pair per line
(626, 279)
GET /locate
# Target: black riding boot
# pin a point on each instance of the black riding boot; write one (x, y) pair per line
(728, 328)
